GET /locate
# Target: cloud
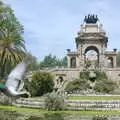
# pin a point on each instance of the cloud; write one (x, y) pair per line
(50, 26)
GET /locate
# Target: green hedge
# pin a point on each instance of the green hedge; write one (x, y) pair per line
(41, 83)
(77, 85)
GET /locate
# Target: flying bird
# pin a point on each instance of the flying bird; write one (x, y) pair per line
(15, 83)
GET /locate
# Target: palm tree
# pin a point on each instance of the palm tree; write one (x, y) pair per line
(12, 47)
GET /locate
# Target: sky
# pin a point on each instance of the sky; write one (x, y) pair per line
(50, 26)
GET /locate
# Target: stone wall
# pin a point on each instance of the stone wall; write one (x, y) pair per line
(73, 73)
(113, 73)
(70, 74)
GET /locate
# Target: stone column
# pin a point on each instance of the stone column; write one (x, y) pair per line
(69, 62)
(114, 61)
(101, 61)
(106, 62)
(77, 61)
(68, 58)
(114, 58)
(81, 61)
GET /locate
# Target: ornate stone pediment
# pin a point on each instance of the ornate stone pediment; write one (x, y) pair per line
(91, 34)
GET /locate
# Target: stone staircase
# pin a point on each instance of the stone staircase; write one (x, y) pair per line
(93, 104)
(29, 102)
(71, 104)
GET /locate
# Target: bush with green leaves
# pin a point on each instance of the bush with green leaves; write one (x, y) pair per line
(41, 83)
(84, 75)
(100, 75)
(77, 85)
(104, 86)
(54, 101)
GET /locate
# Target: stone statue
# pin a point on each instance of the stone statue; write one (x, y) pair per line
(91, 19)
(59, 86)
(14, 84)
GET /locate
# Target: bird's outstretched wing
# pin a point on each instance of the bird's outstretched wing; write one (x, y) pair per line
(14, 84)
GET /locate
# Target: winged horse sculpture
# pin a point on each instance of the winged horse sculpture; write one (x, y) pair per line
(15, 83)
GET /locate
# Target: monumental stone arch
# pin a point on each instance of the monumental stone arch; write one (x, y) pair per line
(90, 57)
(91, 37)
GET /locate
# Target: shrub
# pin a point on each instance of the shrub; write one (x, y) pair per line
(54, 101)
(41, 83)
(84, 75)
(77, 85)
(104, 86)
(100, 75)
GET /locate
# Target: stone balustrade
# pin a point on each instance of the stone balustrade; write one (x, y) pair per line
(72, 104)
(29, 102)
(93, 104)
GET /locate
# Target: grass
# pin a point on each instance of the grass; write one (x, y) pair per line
(94, 97)
(40, 111)
(83, 112)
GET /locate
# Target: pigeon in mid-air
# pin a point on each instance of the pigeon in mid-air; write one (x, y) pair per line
(15, 83)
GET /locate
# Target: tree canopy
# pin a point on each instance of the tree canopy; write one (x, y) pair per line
(34, 64)
(12, 47)
(53, 61)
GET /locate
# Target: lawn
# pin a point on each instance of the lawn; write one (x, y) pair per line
(40, 111)
(94, 97)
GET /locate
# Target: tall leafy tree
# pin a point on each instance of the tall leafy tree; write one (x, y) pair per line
(11, 40)
(34, 64)
(48, 61)
(53, 61)
(64, 61)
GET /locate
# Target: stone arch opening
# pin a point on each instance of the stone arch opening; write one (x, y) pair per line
(110, 62)
(61, 79)
(91, 57)
(73, 62)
